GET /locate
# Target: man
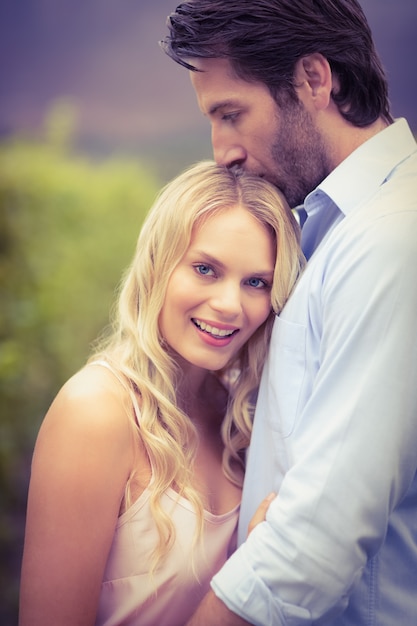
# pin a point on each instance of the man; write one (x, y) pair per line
(295, 92)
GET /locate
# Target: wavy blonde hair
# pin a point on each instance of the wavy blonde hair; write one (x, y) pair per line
(136, 348)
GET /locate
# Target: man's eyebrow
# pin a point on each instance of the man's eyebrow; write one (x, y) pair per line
(223, 104)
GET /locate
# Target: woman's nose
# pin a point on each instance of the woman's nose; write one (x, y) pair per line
(226, 299)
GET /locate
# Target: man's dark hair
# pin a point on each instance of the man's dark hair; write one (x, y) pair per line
(264, 39)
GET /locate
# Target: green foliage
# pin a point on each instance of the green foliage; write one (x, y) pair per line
(68, 228)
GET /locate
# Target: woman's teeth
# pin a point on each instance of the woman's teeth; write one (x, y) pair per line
(212, 330)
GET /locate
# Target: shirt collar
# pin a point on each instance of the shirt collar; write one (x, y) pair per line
(363, 171)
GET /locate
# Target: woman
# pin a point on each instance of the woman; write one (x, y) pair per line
(137, 470)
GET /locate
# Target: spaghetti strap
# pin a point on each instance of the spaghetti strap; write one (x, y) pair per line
(124, 384)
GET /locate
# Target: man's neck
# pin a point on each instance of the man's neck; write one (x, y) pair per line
(345, 138)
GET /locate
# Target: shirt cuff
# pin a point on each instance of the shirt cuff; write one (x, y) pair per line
(244, 593)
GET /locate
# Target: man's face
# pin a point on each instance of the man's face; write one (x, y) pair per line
(249, 129)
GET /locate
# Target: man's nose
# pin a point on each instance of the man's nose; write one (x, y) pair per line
(226, 152)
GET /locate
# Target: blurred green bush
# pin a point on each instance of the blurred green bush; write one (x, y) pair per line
(68, 228)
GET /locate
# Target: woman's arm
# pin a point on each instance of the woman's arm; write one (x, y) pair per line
(82, 460)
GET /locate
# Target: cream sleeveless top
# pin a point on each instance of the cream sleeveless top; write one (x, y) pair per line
(129, 595)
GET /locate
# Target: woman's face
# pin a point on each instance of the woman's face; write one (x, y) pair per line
(220, 291)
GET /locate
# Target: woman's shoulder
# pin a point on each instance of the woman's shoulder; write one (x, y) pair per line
(98, 382)
(84, 447)
(92, 402)
(95, 379)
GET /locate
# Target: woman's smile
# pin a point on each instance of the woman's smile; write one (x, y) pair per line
(216, 330)
(220, 292)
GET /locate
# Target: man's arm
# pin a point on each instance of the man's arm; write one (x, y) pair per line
(353, 447)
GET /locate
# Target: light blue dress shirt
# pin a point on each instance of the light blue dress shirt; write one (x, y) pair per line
(335, 430)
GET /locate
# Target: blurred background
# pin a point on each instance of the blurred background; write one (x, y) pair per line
(94, 118)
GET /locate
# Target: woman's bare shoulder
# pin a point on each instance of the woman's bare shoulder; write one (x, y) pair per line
(96, 382)
(92, 404)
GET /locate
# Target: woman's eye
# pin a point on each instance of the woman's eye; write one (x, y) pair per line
(204, 270)
(257, 283)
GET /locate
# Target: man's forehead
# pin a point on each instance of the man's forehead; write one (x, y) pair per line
(214, 85)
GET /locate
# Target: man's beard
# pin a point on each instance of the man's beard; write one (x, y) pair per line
(299, 153)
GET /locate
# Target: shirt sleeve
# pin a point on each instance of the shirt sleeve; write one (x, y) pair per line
(354, 443)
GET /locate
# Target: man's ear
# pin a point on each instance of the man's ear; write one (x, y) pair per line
(313, 78)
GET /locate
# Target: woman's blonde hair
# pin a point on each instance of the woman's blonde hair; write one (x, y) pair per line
(136, 348)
